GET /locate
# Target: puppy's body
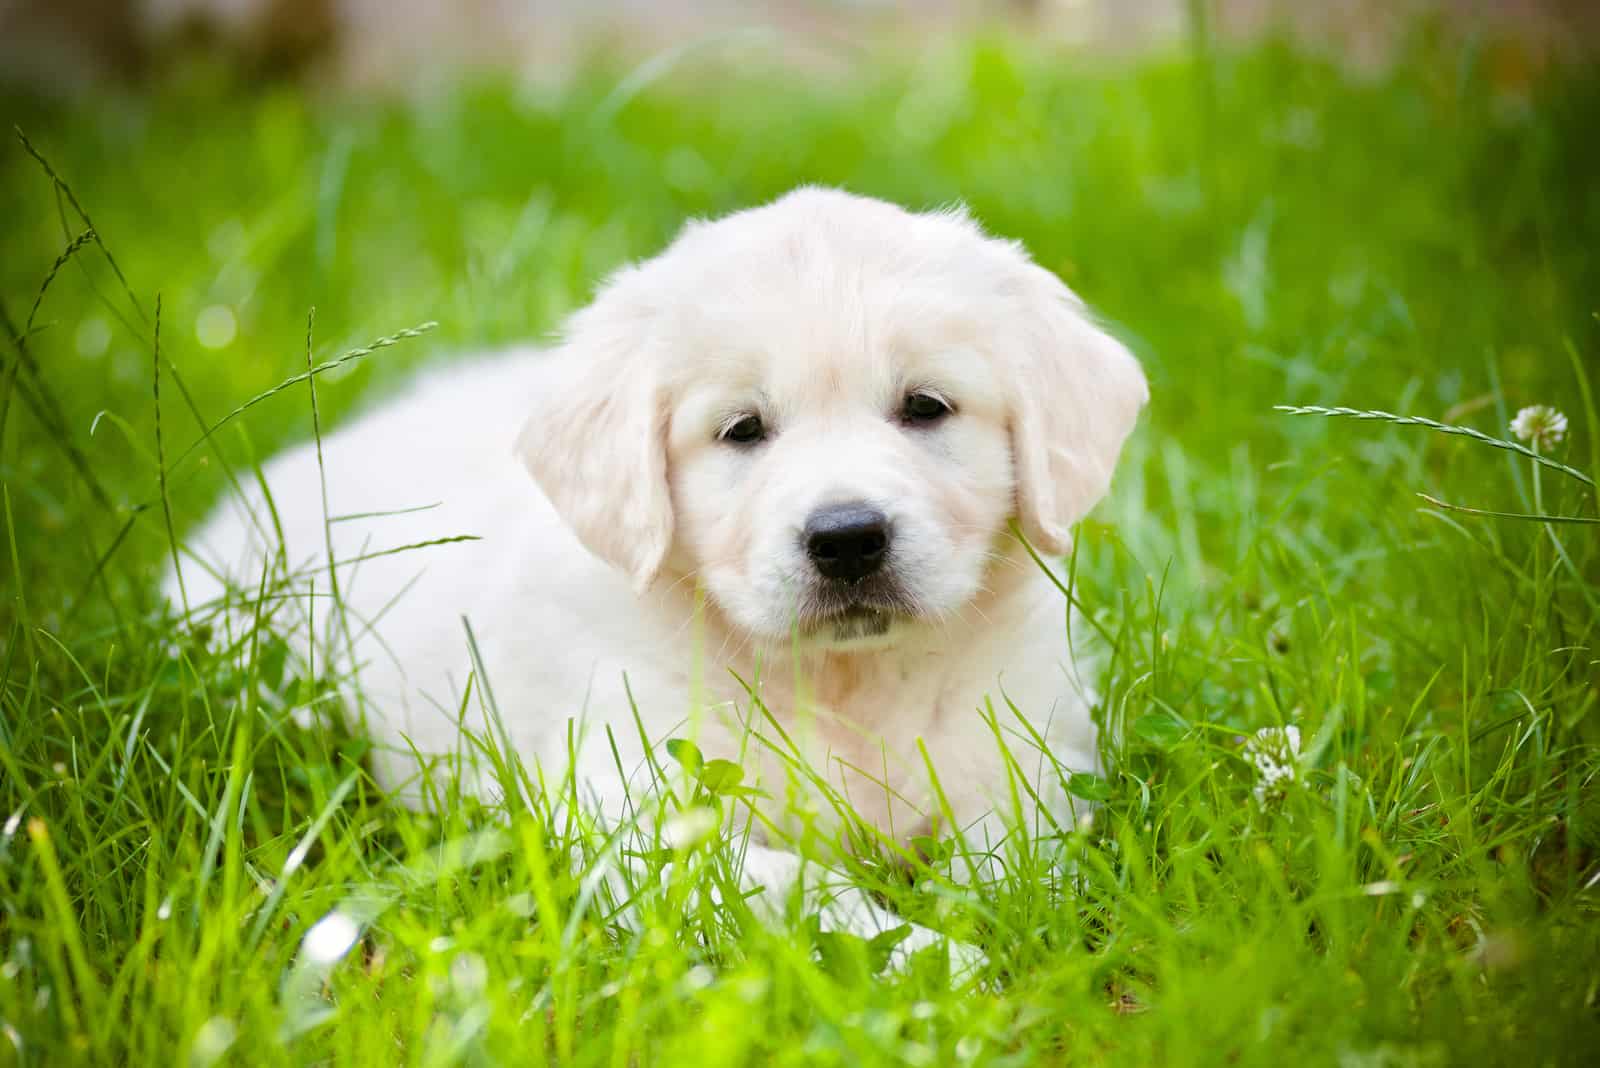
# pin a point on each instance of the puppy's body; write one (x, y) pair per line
(563, 636)
(780, 465)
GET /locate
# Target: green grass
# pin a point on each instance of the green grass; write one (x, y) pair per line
(1264, 231)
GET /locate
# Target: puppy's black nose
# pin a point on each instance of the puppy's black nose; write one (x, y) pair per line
(847, 541)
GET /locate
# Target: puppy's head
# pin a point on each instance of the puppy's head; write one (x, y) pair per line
(827, 410)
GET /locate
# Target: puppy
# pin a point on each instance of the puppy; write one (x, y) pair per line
(778, 473)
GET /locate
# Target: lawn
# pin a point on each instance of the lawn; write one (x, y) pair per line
(195, 868)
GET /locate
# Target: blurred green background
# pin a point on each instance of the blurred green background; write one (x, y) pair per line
(1347, 207)
(1260, 224)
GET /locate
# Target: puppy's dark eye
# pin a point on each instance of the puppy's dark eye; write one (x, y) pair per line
(746, 430)
(924, 407)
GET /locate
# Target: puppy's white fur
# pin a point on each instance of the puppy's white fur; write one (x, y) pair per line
(653, 551)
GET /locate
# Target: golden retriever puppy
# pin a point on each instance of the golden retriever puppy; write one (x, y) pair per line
(776, 472)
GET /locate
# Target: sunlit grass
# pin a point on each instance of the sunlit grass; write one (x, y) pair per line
(194, 864)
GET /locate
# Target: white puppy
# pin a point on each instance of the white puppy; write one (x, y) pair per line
(780, 465)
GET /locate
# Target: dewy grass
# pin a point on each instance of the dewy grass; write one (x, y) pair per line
(195, 865)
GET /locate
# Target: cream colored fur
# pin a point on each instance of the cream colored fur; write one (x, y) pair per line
(646, 552)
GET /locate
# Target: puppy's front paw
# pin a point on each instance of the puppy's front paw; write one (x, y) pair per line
(966, 960)
(894, 942)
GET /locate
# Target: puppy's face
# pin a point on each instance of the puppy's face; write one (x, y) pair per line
(838, 454)
(827, 410)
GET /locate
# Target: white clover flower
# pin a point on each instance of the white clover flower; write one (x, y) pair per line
(1275, 754)
(1540, 424)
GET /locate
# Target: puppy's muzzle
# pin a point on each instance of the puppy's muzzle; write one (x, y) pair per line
(847, 542)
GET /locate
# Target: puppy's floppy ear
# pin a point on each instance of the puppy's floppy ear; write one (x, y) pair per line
(595, 441)
(1076, 396)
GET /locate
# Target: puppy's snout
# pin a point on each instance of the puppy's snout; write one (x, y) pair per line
(847, 541)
